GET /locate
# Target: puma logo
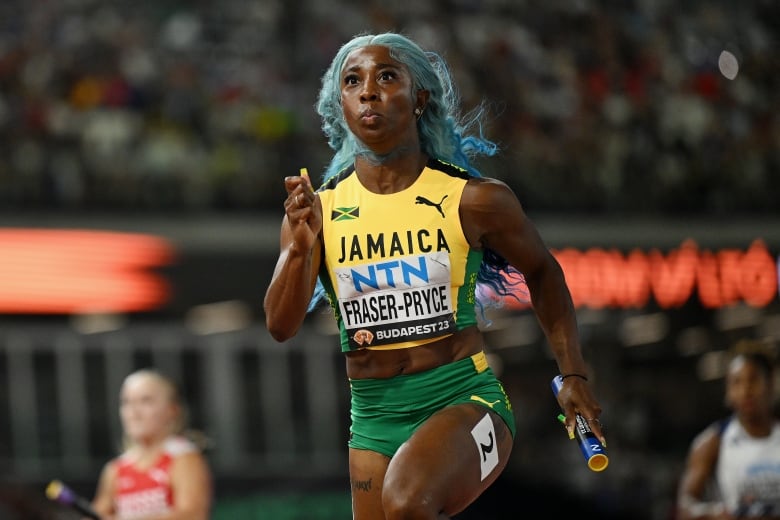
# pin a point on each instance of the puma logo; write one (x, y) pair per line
(483, 401)
(423, 200)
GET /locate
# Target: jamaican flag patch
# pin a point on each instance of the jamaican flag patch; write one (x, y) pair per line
(345, 213)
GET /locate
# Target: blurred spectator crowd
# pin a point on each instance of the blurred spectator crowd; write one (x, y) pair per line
(603, 106)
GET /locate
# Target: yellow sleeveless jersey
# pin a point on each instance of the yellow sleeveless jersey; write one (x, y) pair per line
(397, 269)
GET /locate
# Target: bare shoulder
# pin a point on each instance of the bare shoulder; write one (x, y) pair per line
(489, 197)
(191, 460)
(706, 443)
(489, 206)
(110, 468)
(481, 189)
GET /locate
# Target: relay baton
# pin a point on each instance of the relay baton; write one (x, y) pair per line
(62, 494)
(592, 449)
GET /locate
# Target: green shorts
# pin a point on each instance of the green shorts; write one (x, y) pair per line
(386, 412)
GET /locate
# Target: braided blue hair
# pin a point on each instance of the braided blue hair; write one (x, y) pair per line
(444, 133)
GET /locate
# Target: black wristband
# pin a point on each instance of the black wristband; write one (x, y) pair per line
(564, 376)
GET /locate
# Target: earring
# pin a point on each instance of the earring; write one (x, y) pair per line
(418, 111)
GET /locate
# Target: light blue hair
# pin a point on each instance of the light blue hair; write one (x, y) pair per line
(444, 133)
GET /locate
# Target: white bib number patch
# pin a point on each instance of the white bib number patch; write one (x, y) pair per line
(487, 446)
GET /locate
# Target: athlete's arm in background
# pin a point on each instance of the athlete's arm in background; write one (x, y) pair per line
(493, 217)
(295, 274)
(192, 488)
(103, 503)
(699, 468)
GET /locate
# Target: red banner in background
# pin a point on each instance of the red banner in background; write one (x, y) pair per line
(44, 271)
(71, 271)
(601, 278)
